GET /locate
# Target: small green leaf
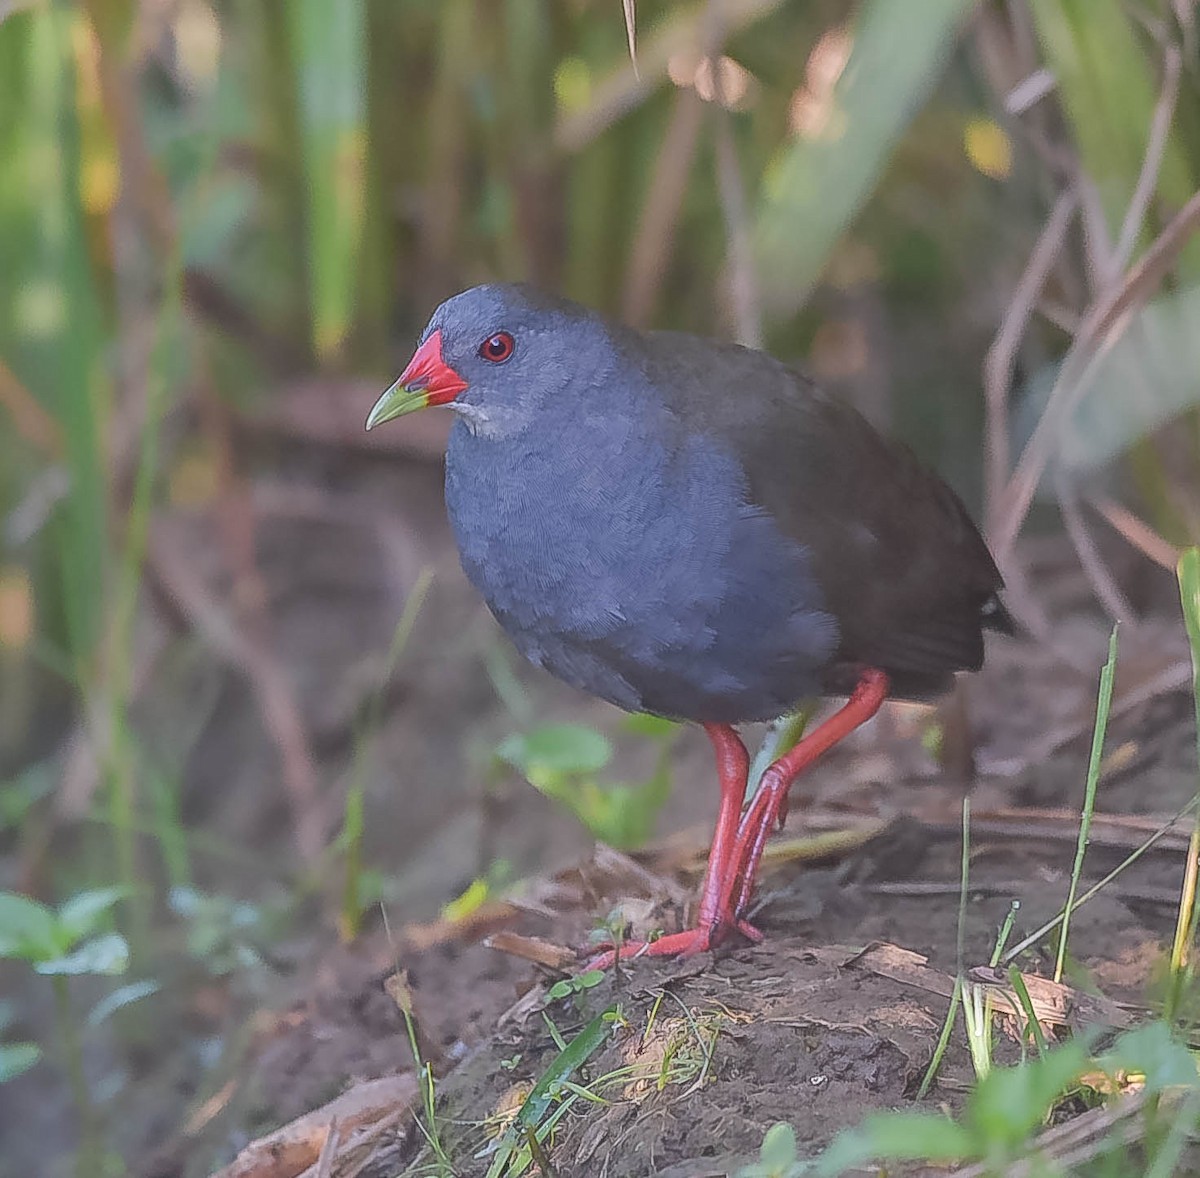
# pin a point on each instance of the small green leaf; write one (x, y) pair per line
(107, 954)
(561, 762)
(568, 1061)
(932, 739)
(622, 815)
(778, 1151)
(16, 1058)
(81, 914)
(560, 989)
(655, 727)
(120, 998)
(897, 1136)
(467, 902)
(1009, 1103)
(185, 901)
(557, 749)
(28, 930)
(1153, 1052)
(592, 977)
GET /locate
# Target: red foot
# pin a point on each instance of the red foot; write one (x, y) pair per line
(769, 808)
(739, 839)
(685, 944)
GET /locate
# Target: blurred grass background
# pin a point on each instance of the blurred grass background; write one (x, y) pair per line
(210, 208)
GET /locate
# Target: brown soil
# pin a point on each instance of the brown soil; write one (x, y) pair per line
(806, 1028)
(802, 1029)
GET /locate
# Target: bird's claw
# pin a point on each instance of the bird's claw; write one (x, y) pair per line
(781, 812)
(682, 945)
(753, 935)
(685, 944)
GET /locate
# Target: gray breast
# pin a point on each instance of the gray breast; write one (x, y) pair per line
(642, 577)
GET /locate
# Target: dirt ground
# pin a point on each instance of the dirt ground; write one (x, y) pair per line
(836, 1015)
(832, 1017)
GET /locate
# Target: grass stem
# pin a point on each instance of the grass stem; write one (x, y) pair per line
(1188, 572)
(1103, 706)
(89, 1156)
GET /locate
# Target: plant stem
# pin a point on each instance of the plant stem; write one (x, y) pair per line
(1103, 706)
(89, 1155)
(1188, 573)
(781, 737)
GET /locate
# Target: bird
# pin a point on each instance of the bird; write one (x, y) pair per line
(694, 529)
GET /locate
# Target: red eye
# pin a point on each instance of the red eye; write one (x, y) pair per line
(497, 348)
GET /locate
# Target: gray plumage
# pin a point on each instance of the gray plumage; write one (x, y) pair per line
(693, 528)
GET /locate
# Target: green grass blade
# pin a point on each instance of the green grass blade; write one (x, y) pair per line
(1188, 571)
(781, 737)
(564, 1065)
(1014, 906)
(1109, 92)
(65, 314)
(329, 50)
(964, 880)
(1103, 706)
(349, 842)
(1182, 1127)
(939, 1051)
(1133, 856)
(1032, 1026)
(169, 827)
(820, 183)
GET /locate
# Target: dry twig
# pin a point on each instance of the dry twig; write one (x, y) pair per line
(1001, 358)
(1103, 583)
(361, 1113)
(1147, 181)
(745, 302)
(1137, 532)
(1102, 327)
(660, 211)
(192, 598)
(282, 717)
(1121, 291)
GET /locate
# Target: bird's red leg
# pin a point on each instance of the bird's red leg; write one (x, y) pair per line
(733, 770)
(715, 915)
(770, 802)
(737, 847)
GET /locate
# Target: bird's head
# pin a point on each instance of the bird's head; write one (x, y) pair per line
(496, 354)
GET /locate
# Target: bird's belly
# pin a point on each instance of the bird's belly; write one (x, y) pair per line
(663, 591)
(724, 642)
(685, 681)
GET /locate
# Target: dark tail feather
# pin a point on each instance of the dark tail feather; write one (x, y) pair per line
(994, 616)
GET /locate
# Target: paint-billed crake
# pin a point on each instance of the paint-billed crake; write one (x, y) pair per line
(694, 529)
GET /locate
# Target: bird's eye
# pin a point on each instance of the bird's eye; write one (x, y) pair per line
(497, 348)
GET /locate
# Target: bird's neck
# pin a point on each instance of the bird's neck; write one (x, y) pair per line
(541, 499)
(494, 424)
(563, 461)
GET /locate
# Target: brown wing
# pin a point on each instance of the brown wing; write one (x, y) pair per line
(899, 561)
